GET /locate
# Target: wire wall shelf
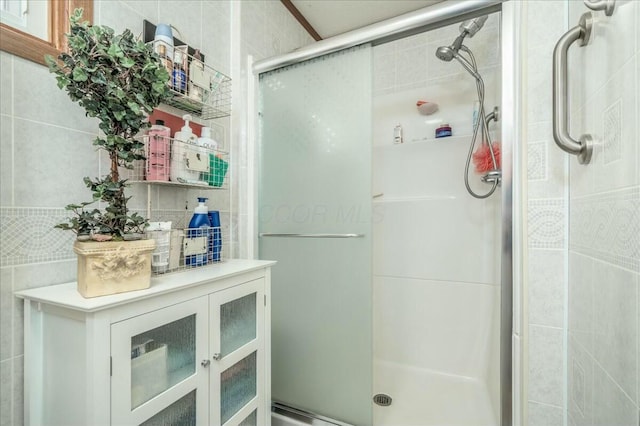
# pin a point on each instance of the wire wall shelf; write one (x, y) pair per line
(183, 249)
(173, 162)
(196, 87)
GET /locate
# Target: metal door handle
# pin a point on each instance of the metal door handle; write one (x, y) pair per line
(583, 147)
(217, 356)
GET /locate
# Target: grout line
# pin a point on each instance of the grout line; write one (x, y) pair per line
(546, 404)
(56, 126)
(434, 280)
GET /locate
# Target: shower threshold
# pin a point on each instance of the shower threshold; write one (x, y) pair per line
(283, 415)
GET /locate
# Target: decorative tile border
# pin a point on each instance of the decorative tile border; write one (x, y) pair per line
(537, 161)
(546, 223)
(27, 235)
(607, 227)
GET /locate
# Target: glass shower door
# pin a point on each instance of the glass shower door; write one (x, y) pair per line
(315, 220)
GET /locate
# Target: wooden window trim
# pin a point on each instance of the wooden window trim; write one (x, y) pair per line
(33, 48)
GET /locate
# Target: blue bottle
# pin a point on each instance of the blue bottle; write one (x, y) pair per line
(199, 227)
(215, 243)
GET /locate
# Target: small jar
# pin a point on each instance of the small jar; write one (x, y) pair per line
(443, 131)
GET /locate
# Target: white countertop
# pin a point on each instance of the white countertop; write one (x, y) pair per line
(67, 295)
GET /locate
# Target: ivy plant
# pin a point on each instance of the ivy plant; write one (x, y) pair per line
(120, 80)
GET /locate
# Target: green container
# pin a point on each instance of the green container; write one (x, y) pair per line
(217, 170)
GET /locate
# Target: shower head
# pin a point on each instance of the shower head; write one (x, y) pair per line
(472, 26)
(467, 28)
(445, 53)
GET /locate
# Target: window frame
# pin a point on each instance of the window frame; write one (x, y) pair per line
(33, 48)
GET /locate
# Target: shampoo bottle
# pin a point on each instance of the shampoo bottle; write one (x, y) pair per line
(198, 234)
(215, 243)
(183, 145)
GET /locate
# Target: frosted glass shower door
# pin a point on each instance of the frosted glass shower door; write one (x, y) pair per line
(315, 220)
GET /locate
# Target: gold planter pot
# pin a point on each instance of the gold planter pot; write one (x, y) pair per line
(113, 266)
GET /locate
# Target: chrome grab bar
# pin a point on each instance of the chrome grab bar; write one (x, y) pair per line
(269, 234)
(606, 5)
(582, 148)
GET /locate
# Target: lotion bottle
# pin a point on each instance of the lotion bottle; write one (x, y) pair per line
(184, 142)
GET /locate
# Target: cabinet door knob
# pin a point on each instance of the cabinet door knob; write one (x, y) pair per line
(217, 356)
(205, 363)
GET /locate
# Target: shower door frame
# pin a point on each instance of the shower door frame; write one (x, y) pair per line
(513, 212)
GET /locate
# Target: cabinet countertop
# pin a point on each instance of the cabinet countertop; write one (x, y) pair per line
(67, 295)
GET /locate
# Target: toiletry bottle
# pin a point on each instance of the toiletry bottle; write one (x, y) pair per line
(183, 144)
(397, 134)
(165, 60)
(443, 130)
(163, 37)
(215, 244)
(157, 164)
(209, 147)
(199, 227)
(197, 67)
(178, 75)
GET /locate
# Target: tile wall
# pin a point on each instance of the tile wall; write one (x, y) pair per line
(604, 232)
(584, 223)
(547, 218)
(45, 151)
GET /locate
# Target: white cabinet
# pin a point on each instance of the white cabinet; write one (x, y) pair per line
(193, 349)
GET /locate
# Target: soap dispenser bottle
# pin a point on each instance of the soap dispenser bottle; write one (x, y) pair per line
(198, 235)
(183, 146)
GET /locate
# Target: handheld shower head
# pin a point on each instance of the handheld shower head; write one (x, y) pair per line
(445, 53)
(472, 26)
(467, 28)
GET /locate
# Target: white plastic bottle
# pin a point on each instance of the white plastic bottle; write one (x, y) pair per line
(182, 149)
(208, 146)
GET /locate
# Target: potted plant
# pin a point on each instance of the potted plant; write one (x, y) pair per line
(119, 80)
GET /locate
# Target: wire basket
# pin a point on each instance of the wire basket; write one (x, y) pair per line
(173, 162)
(196, 87)
(182, 249)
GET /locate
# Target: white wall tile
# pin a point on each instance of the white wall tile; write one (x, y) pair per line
(147, 9)
(6, 395)
(545, 365)
(547, 224)
(615, 325)
(37, 98)
(185, 16)
(6, 83)
(547, 23)
(544, 415)
(581, 300)
(547, 164)
(6, 310)
(546, 287)
(50, 163)
(580, 384)
(6, 160)
(119, 16)
(611, 406)
(18, 390)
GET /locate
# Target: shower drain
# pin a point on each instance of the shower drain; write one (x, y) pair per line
(382, 399)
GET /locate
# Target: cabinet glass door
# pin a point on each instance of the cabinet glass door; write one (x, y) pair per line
(157, 365)
(237, 343)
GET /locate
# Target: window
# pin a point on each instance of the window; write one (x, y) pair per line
(30, 47)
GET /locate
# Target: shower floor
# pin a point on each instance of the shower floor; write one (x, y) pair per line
(426, 398)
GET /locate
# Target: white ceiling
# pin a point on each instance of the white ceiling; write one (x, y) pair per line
(332, 17)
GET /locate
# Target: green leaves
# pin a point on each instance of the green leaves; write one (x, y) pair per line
(119, 80)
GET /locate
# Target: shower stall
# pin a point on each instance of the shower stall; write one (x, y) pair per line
(392, 296)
